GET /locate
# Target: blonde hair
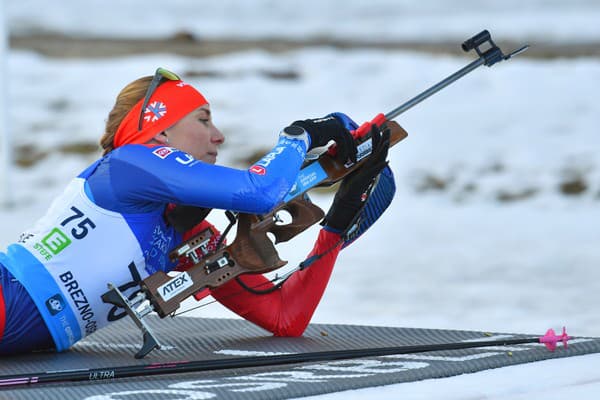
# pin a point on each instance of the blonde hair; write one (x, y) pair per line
(126, 99)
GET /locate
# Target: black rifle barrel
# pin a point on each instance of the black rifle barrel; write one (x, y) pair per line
(434, 89)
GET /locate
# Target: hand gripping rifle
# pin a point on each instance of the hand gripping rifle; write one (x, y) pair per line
(252, 251)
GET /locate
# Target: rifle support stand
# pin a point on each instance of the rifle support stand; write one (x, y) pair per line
(137, 308)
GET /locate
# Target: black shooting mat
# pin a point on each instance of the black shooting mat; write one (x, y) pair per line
(203, 339)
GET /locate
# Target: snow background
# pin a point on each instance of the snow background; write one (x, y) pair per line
(452, 257)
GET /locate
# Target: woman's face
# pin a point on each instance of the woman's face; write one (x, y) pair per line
(196, 135)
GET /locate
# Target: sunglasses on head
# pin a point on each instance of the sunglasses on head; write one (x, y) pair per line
(160, 75)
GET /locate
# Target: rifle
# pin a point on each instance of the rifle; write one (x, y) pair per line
(252, 251)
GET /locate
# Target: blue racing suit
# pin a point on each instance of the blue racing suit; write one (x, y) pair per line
(109, 226)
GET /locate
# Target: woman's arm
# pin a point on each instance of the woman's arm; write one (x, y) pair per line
(138, 178)
(287, 310)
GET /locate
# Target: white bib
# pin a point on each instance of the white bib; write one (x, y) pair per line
(77, 248)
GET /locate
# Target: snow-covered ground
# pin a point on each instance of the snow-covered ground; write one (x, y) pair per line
(571, 378)
(481, 234)
(554, 20)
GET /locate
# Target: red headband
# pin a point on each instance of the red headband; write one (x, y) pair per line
(170, 102)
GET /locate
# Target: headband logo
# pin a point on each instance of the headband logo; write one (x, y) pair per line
(155, 111)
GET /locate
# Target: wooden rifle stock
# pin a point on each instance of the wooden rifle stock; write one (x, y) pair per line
(252, 252)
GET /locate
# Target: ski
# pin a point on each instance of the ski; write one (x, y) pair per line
(550, 340)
